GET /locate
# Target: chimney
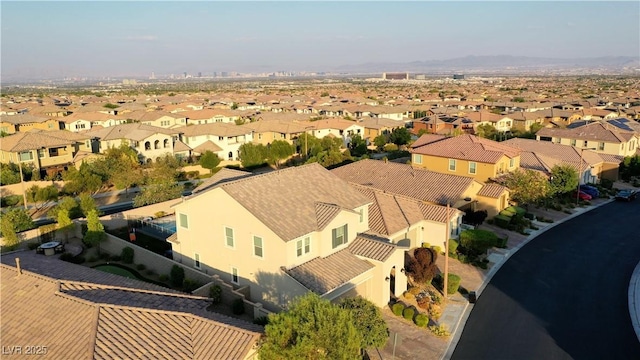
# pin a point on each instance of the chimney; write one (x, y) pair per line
(18, 266)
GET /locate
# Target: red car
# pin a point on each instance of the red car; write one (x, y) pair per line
(583, 196)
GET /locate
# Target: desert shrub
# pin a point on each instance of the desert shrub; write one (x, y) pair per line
(150, 272)
(424, 303)
(439, 330)
(127, 254)
(189, 285)
(105, 256)
(159, 214)
(237, 307)
(407, 295)
(421, 320)
(422, 265)
(141, 266)
(453, 246)
(176, 275)
(397, 309)
(414, 290)
(435, 312)
(390, 147)
(437, 249)
(408, 313)
(215, 293)
(453, 284)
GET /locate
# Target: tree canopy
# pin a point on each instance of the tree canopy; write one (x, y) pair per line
(564, 179)
(252, 155)
(357, 145)
(209, 160)
(368, 320)
(400, 136)
(312, 328)
(527, 186)
(278, 151)
(95, 230)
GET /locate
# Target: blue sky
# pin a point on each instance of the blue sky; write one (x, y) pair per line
(136, 38)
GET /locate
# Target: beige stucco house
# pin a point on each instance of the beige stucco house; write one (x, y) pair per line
(281, 234)
(221, 138)
(600, 137)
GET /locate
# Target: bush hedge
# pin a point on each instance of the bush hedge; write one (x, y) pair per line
(453, 284)
(421, 320)
(215, 293)
(126, 255)
(453, 246)
(478, 241)
(408, 313)
(176, 275)
(502, 221)
(397, 309)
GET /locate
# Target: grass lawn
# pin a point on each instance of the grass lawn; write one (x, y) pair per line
(116, 270)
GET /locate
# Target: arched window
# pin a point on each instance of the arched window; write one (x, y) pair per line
(166, 143)
(156, 144)
(147, 145)
(230, 155)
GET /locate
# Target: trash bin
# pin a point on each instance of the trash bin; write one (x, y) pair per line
(472, 297)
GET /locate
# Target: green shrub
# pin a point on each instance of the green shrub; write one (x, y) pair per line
(408, 295)
(215, 293)
(507, 213)
(453, 246)
(390, 147)
(439, 330)
(567, 211)
(72, 259)
(141, 266)
(189, 285)
(414, 290)
(397, 309)
(437, 249)
(262, 320)
(237, 307)
(127, 254)
(159, 214)
(606, 183)
(490, 221)
(421, 320)
(426, 245)
(176, 275)
(477, 241)
(453, 284)
(408, 313)
(502, 243)
(150, 272)
(502, 221)
(163, 277)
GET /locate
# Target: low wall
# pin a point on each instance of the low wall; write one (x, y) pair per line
(229, 295)
(119, 220)
(16, 189)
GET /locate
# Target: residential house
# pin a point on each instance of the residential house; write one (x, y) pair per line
(159, 118)
(543, 156)
(601, 137)
(210, 116)
(287, 232)
(466, 155)
(374, 127)
(500, 122)
(224, 139)
(87, 120)
(524, 119)
(339, 128)
(11, 124)
(435, 188)
(433, 124)
(150, 142)
(265, 132)
(49, 152)
(61, 310)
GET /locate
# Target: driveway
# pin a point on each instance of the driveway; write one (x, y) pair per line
(563, 295)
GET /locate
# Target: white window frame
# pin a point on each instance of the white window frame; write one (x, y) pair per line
(474, 167)
(512, 163)
(196, 261)
(345, 236)
(361, 215)
(226, 238)
(235, 276)
(255, 247)
(418, 158)
(303, 246)
(454, 163)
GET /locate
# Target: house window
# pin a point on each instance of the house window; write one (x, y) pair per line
(257, 246)
(25, 156)
(156, 144)
(234, 276)
(573, 142)
(303, 246)
(41, 153)
(184, 221)
(166, 143)
(512, 163)
(196, 260)
(339, 236)
(147, 145)
(361, 215)
(472, 167)
(259, 136)
(584, 144)
(417, 159)
(228, 232)
(601, 146)
(452, 165)
(220, 138)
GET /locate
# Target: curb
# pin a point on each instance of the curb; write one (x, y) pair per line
(456, 333)
(634, 300)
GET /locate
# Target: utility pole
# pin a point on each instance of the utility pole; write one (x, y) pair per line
(446, 254)
(24, 193)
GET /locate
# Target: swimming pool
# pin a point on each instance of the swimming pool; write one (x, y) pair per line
(167, 223)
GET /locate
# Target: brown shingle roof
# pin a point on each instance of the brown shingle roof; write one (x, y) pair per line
(427, 139)
(222, 176)
(218, 129)
(595, 131)
(33, 140)
(468, 147)
(402, 179)
(550, 154)
(492, 190)
(322, 275)
(23, 119)
(137, 132)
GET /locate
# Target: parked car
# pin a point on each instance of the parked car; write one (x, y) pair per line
(583, 195)
(626, 195)
(591, 190)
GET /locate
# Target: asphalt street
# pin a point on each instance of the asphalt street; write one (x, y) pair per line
(563, 295)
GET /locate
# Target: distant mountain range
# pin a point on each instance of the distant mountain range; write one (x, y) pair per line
(500, 63)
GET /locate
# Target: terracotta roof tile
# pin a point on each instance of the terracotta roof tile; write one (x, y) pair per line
(33, 140)
(427, 139)
(595, 131)
(468, 147)
(492, 191)
(322, 275)
(372, 247)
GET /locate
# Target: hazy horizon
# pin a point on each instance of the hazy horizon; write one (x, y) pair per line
(49, 39)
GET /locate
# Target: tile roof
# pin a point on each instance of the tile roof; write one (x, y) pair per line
(136, 131)
(304, 186)
(322, 275)
(373, 247)
(181, 146)
(333, 123)
(23, 119)
(217, 129)
(468, 147)
(380, 123)
(595, 131)
(283, 127)
(492, 191)
(404, 180)
(76, 323)
(222, 176)
(207, 145)
(325, 213)
(549, 154)
(427, 139)
(33, 140)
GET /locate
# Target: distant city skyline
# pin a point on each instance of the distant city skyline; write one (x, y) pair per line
(50, 39)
